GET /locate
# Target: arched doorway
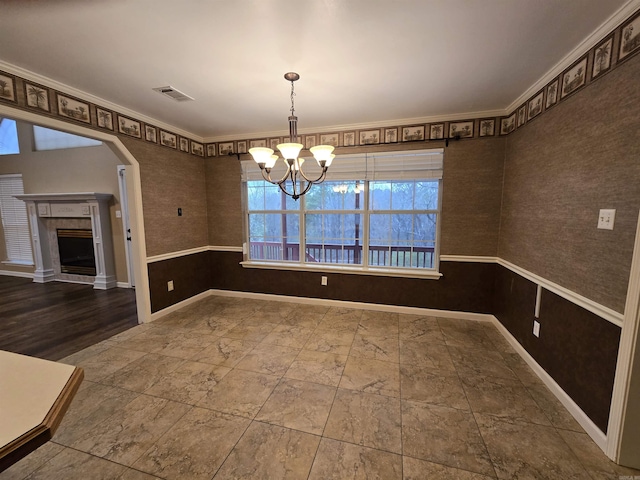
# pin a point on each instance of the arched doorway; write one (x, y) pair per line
(134, 199)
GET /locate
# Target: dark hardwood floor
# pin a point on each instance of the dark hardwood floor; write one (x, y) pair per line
(55, 319)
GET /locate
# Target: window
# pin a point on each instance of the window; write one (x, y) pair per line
(376, 213)
(8, 137)
(48, 139)
(15, 224)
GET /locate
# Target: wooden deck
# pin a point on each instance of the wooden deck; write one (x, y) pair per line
(53, 320)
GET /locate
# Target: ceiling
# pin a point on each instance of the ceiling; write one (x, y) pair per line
(361, 62)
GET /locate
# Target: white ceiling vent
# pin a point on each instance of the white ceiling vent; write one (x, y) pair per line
(173, 93)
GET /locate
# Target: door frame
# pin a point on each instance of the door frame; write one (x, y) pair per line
(126, 224)
(629, 347)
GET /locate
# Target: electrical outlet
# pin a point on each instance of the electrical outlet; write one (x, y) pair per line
(606, 218)
(536, 328)
(170, 286)
(323, 281)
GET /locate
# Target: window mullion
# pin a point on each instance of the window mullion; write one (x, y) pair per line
(328, 227)
(302, 230)
(365, 226)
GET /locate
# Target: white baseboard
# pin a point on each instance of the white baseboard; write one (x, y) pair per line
(11, 273)
(179, 305)
(356, 305)
(597, 435)
(64, 280)
(480, 317)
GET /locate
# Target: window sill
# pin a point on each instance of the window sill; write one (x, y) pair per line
(382, 272)
(17, 263)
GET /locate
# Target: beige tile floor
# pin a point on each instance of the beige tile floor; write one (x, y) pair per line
(234, 388)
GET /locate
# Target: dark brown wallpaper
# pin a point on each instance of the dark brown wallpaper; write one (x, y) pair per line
(577, 348)
(560, 170)
(465, 287)
(171, 180)
(190, 277)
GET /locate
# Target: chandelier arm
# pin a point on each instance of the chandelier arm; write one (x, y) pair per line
(292, 194)
(283, 179)
(266, 175)
(323, 176)
(317, 180)
(285, 190)
(306, 188)
(294, 181)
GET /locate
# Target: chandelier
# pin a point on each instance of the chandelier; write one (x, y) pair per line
(300, 182)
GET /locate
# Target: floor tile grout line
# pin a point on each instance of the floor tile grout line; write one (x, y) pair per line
(163, 434)
(232, 448)
(334, 394)
(106, 460)
(473, 415)
(349, 355)
(401, 400)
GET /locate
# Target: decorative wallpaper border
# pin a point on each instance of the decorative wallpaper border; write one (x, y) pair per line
(615, 48)
(28, 95)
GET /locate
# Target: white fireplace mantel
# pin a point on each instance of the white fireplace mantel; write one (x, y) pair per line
(91, 205)
(65, 197)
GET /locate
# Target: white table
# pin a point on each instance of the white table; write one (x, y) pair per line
(34, 396)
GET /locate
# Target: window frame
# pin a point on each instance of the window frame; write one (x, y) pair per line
(364, 268)
(47, 139)
(15, 141)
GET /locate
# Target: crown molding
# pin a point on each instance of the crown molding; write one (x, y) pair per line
(49, 82)
(583, 47)
(362, 126)
(609, 25)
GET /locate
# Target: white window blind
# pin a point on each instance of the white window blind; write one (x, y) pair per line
(407, 165)
(15, 223)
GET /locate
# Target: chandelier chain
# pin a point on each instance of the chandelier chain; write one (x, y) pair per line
(293, 94)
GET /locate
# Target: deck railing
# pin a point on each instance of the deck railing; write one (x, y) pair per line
(379, 255)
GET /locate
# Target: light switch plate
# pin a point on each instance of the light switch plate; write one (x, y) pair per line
(536, 328)
(606, 218)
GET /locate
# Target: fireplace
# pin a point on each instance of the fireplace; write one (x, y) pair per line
(51, 212)
(76, 251)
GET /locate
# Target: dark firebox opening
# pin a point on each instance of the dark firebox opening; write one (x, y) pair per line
(76, 251)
